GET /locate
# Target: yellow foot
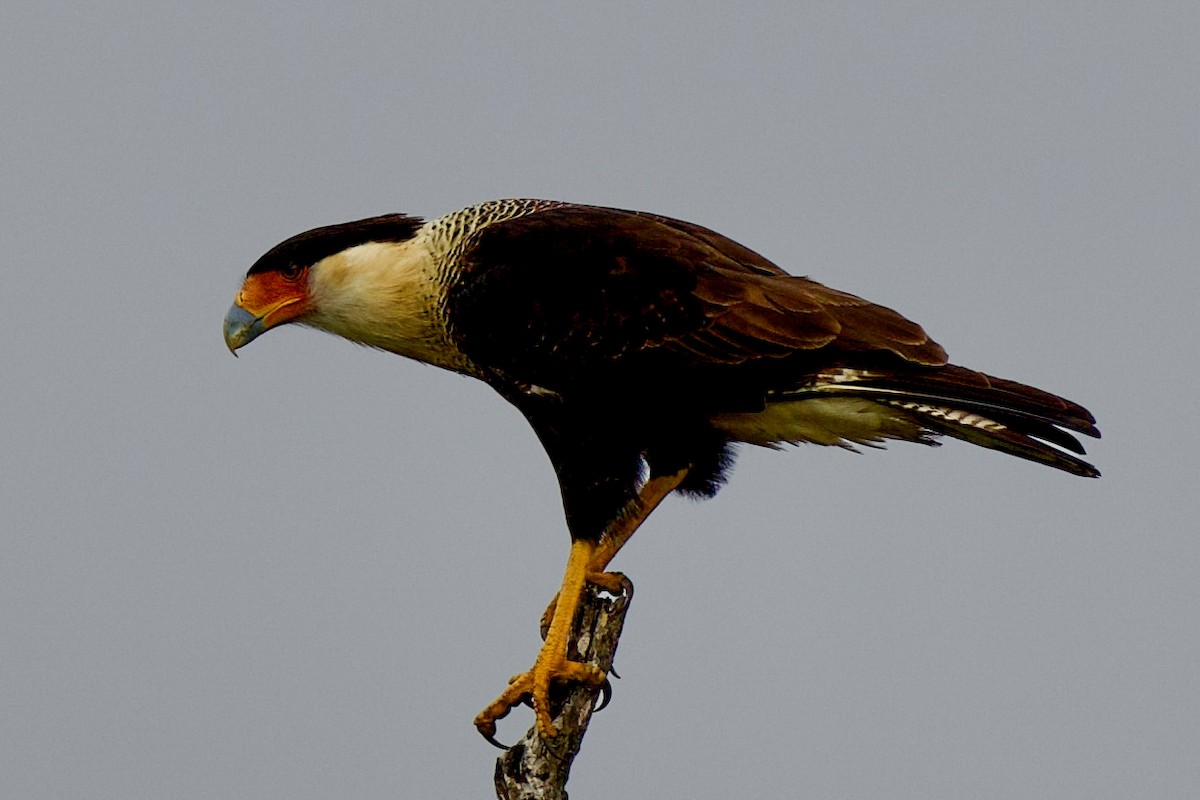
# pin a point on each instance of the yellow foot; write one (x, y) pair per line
(586, 564)
(552, 665)
(549, 668)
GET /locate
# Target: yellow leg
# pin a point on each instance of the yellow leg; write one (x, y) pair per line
(585, 565)
(551, 664)
(652, 493)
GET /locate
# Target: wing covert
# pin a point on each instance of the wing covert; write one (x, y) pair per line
(578, 288)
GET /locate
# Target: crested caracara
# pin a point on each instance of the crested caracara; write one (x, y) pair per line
(641, 349)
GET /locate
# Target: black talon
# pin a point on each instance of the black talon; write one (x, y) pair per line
(605, 696)
(492, 739)
(612, 671)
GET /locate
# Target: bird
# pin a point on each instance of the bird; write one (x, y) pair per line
(642, 350)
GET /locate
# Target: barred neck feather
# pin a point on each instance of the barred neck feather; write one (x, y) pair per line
(391, 294)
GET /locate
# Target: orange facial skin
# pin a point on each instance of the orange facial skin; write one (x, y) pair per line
(274, 297)
(266, 300)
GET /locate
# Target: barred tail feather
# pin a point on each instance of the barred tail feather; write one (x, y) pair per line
(991, 412)
(1034, 443)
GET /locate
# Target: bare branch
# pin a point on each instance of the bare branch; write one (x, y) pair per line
(535, 768)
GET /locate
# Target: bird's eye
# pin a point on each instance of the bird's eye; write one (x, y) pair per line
(291, 272)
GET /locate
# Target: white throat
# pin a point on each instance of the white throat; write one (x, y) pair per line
(386, 295)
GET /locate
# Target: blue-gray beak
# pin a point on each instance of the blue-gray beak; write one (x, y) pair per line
(241, 328)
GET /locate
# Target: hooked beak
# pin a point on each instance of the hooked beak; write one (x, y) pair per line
(241, 328)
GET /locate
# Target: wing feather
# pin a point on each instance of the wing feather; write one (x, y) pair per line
(572, 287)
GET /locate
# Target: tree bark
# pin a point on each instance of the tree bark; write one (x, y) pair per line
(535, 768)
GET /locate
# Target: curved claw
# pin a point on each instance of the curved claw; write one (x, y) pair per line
(605, 696)
(485, 721)
(491, 738)
(487, 729)
(613, 671)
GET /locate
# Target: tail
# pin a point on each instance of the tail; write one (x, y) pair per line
(990, 412)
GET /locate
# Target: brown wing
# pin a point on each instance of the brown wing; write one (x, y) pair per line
(755, 316)
(576, 287)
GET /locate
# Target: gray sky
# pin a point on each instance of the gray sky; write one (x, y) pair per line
(300, 574)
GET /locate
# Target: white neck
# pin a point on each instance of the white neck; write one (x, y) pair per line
(386, 295)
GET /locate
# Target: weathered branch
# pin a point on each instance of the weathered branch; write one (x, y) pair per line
(535, 768)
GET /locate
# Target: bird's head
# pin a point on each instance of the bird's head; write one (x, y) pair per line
(313, 277)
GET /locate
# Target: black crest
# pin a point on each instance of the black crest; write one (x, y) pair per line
(305, 249)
